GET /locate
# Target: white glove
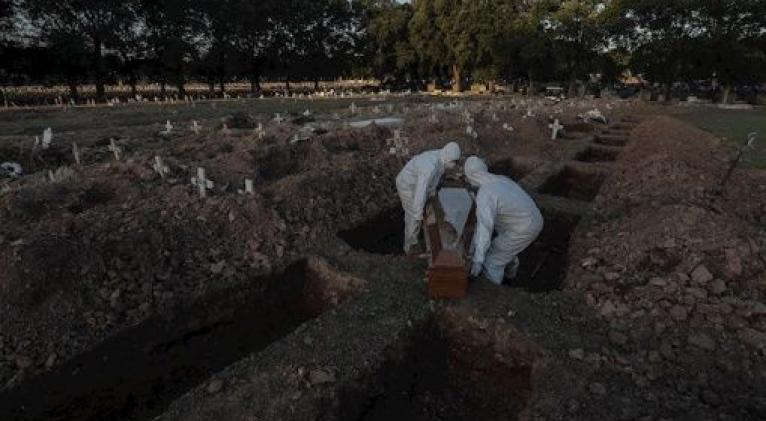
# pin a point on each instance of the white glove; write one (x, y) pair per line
(476, 269)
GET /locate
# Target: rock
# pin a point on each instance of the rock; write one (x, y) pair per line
(611, 276)
(678, 313)
(214, 387)
(701, 275)
(217, 268)
(573, 406)
(607, 308)
(50, 361)
(577, 354)
(703, 341)
(617, 338)
(598, 389)
(658, 282)
(733, 264)
(718, 287)
(697, 293)
(589, 262)
(320, 376)
(753, 338)
(23, 362)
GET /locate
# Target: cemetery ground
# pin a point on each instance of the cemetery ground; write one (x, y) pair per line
(127, 295)
(732, 125)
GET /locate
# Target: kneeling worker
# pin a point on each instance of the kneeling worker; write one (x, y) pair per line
(418, 181)
(502, 207)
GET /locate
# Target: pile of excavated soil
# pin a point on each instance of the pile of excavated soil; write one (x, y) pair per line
(679, 272)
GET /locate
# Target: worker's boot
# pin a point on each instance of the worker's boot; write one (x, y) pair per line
(512, 270)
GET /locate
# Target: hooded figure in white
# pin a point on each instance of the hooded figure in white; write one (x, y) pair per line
(502, 206)
(417, 182)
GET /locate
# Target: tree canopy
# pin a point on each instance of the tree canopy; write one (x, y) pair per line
(452, 41)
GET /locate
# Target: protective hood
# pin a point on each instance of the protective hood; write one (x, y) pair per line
(450, 153)
(476, 171)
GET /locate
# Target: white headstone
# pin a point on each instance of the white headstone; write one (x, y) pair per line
(353, 108)
(507, 127)
(195, 127)
(225, 130)
(201, 182)
(307, 113)
(47, 138)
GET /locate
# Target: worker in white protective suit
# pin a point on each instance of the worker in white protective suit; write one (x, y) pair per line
(502, 207)
(417, 182)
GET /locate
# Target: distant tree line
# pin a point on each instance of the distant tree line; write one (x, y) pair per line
(569, 40)
(171, 42)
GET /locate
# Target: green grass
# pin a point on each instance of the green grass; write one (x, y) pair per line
(733, 126)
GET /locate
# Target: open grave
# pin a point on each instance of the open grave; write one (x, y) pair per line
(137, 373)
(382, 234)
(511, 168)
(597, 155)
(543, 264)
(574, 183)
(611, 140)
(446, 370)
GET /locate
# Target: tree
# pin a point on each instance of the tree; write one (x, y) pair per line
(577, 37)
(96, 21)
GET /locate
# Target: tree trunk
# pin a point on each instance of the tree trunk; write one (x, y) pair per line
(163, 90)
(255, 83)
(458, 77)
(667, 92)
(211, 86)
(73, 91)
(133, 85)
(180, 82)
(222, 85)
(98, 68)
(531, 86)
(572, 87)
(725, 99)
(316, 85)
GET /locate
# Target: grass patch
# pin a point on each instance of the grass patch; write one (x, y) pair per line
(733, 126)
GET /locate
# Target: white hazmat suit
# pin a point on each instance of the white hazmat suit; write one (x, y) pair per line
(417, 182)
(502, 207)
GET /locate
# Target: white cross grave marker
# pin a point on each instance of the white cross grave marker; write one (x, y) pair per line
(260, 132)
(469, 130)
(168, 128)
(76, 153)
(248, 187)
(116, 150)
(160, 167)
(555, 127)
(279, 119)
(201, 182)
